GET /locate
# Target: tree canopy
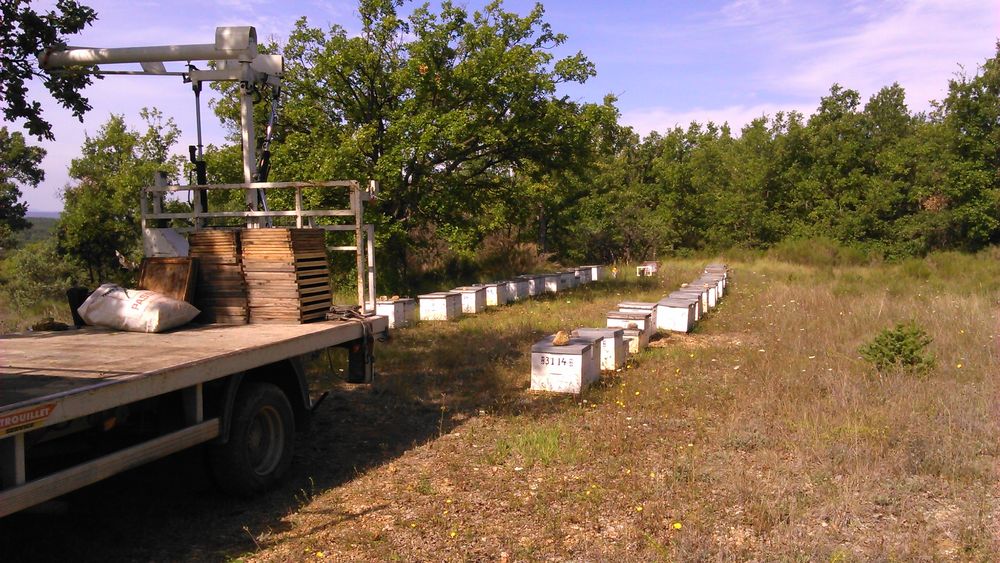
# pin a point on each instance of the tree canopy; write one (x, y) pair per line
(19, 167)
(24, 33)
(101, 213)
(447, 109)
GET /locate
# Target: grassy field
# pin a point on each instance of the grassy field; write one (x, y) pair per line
(763, 435)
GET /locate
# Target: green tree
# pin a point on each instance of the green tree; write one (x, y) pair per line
(101, 210)
(24, 33)
(19, 166)
(440, 107)
(966, 198)
(36, 273)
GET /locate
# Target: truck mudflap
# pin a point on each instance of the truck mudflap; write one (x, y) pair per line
(360, 352)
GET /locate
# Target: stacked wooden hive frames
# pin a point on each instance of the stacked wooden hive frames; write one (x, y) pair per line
(287, 273)
(221, 293)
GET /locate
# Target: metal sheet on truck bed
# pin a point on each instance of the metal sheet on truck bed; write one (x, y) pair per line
(46, 378)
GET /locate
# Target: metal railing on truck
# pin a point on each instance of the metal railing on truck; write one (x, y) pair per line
(153, 203)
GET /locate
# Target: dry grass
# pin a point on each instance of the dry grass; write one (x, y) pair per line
(762, 436)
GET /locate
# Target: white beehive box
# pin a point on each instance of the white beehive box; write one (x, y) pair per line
(536, 284)
(635, 340)
(711, 290)
(517, 289)
(676, 315)
(596, 272)
(567, 280)
(551, 283)
(496, 294)
(689, 296)
(473, 299)
(583, 275)
(613, 349)
(641, 320)
(720, 269)
(718, 280)
(700, 292)
(400, 312)
(563, 369)
(641, 307)
(440, 306)
(648, 268)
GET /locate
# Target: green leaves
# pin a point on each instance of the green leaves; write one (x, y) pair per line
(101, 213)
(449, 109)
(19, 166)
(904, 347)
(24, 33)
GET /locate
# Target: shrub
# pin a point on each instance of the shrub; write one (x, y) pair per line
(35, 273)
(904, 346)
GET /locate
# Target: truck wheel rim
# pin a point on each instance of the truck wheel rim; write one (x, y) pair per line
(265, 441)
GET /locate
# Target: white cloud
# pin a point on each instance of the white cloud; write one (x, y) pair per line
(661, 119)
(919, 44)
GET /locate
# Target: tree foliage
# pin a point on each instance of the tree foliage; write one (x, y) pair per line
(19, 167)
(447, 109)
(101, 213)
(24, 33)
(873, 176)
(36, 273)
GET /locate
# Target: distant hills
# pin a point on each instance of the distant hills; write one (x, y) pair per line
(42, 227)
(43, 214)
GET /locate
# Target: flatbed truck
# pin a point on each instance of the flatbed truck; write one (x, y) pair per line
(136, 397)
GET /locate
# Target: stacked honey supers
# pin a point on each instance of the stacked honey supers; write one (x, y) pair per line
(287, 274)
(221, 293)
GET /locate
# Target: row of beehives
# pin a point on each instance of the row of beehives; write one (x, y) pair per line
(572, 365)
(474, 299)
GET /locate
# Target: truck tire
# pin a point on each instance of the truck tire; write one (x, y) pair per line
(261, 436)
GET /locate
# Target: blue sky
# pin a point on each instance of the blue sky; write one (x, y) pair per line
(668, 62)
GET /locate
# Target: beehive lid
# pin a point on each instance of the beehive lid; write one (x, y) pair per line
(636, 305)
(469, 289)
(437, 295)
(397, 300)
(676, 302)
(574, 346)
(689, 289)
(630, 316)
(605, 332)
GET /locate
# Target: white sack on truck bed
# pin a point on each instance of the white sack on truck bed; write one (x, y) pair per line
(135, 310)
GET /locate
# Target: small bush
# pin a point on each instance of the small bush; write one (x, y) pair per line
(904, 346)
(36, 273)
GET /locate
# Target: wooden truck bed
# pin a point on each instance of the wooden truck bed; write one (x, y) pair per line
(51, 377)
